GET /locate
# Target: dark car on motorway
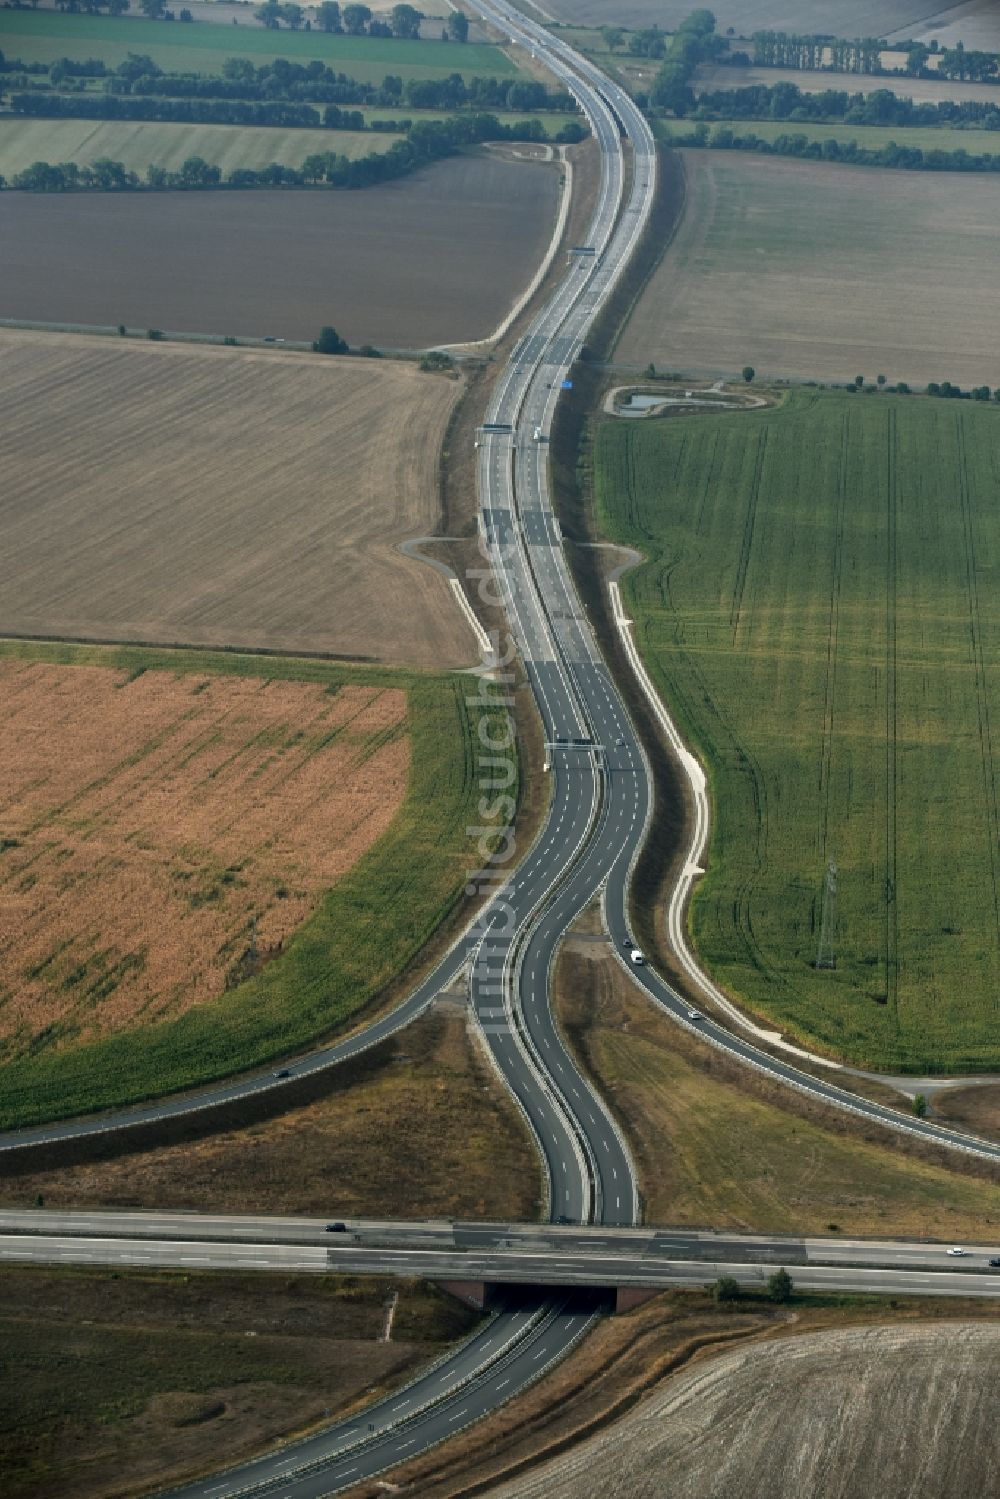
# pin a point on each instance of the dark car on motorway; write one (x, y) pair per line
(995, 1262)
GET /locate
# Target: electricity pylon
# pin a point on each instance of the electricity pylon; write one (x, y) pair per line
(826, 952)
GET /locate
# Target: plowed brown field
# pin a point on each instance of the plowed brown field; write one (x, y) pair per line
(893, 1411)
(146, 821)
(212, 496)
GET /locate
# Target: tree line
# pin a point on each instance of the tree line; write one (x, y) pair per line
(783, 101)
(235, 112)
(427, 141)
(312, 82)
(892, 154)
(781, 49)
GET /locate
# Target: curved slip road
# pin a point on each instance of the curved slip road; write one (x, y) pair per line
(600, 805)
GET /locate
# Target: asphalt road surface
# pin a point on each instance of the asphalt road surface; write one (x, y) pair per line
(599, 811)
(587, 1272)
(515, 1252)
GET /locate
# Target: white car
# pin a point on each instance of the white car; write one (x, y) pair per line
(637, 957)
(694, 1014)
(958, 1250)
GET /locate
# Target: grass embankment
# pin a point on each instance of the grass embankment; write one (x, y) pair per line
(817, 610)
(115, 1382)
(45, 35)
(419, 1127)
(719, 1147)
(369, 927)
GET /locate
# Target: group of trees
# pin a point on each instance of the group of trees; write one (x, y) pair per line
(356, 20)
(781, 49)
(785, 101)
(186, 111)
(695, 41)
(956, 62)
(780, 1287)
(892, 154)
(956, 393)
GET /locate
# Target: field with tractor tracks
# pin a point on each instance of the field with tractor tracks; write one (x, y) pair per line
(811, 270)
(818, 608)
(209, 859)
(830, 1414)
(211, 496)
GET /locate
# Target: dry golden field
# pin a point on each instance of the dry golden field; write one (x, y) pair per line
(146, 821)
(215, 496)
(815, 270)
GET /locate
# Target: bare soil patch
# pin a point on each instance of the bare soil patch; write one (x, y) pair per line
(114, 1383)
(764, 270)
(973, 1109)
(146, 823)
(420, 1127)
(222, 497)
(435, 258)
(835, 1415)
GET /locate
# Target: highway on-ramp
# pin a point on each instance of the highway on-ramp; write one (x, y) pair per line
(600, 798)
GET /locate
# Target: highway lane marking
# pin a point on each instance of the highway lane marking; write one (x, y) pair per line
(457, 1416)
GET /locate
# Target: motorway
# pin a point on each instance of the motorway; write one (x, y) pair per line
(535, 1253)
(600, 800)
(588, 1272)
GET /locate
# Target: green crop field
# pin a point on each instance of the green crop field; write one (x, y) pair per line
(139, 144)
(873, 137)
(44, 35)
(820, 610)
(366, 930)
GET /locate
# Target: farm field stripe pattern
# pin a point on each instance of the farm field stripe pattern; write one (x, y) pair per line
(862, 633)
(415, 870)
(608, 714)
(43, 36)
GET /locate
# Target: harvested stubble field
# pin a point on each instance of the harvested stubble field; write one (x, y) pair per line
(222, 497)
(438, 257)
(765, 269)
(847, 18)
(113, 1384)
(831, 1414)
(818, 609)
(717, 1146)
(44, 35)
(155, 803)
(148, 820)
